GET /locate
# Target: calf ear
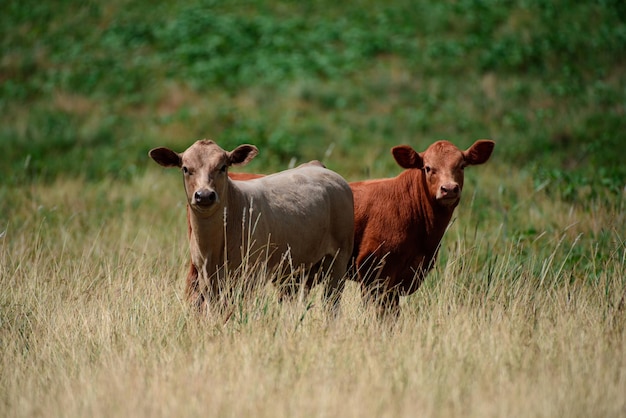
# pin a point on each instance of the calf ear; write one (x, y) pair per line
(242, 154)
(407, 157)
(165, 157)
(479, 152)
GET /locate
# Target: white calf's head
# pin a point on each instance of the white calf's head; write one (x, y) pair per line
(205, 170)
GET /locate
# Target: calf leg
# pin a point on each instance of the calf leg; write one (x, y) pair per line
(389, 304)
(193, 293)
(386, 301)
(334, 289)
(297, 283)
(336, 268)
(202, 293)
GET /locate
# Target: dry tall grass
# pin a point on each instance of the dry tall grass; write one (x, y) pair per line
(93, 323)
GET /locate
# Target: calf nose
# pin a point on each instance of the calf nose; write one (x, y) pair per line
(450, 189)
(205, 197)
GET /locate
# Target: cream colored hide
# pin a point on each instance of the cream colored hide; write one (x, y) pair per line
(305, 214)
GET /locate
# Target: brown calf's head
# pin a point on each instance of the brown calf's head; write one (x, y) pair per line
(443, 164)
(205, 170)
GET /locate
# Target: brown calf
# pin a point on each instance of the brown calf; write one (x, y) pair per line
(399, 222)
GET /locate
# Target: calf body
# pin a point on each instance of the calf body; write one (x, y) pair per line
(301, 217)
(399, 222)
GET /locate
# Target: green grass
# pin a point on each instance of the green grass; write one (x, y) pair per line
(521, 315)
(101, 83)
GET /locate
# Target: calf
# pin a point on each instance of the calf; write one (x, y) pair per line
(304, 215)
(399, 222)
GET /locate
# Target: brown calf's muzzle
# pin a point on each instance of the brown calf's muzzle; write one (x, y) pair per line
(449, 193)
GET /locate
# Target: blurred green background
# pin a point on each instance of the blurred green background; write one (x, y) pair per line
(88, 87)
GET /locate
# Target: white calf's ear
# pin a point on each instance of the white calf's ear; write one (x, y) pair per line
(165, 157)
(242, 154)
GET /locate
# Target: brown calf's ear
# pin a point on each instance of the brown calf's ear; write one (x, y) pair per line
(242, 154)
(407, 157)
(480, 152)
(165, 157)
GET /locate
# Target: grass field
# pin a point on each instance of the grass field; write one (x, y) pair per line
(524, 312)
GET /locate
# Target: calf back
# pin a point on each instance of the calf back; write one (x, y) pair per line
(306, 212)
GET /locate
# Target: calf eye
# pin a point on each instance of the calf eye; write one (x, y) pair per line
(223, 169)
(427, 169)
(185, 170)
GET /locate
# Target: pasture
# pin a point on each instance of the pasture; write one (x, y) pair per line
(523, 313)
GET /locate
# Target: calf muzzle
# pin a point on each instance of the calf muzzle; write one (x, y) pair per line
(449, 192)
(205, 197)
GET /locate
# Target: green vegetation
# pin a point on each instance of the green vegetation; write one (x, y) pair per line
(523, 314)
(99, 84)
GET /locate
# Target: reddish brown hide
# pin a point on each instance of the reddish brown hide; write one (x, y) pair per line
(399, 222)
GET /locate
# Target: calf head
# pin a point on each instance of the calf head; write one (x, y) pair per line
(205, 170)
(442, 164)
